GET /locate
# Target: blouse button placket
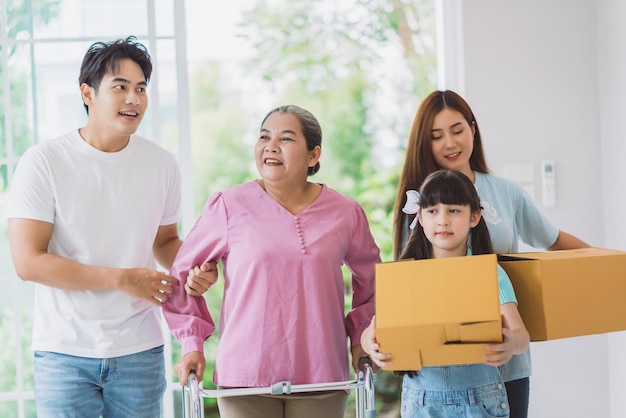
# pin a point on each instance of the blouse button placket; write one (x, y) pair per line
(296, 221)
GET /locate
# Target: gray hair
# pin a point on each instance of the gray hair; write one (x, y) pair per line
(311, 128)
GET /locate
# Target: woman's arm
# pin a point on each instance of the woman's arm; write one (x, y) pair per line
(361, 258)
(567, 241)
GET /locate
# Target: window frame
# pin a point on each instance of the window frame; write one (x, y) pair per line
(21, 289)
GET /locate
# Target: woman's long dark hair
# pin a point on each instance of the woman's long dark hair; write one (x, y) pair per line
(419, 161)
(449, 187)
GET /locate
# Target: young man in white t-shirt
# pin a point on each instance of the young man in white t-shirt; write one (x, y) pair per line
(89, 214)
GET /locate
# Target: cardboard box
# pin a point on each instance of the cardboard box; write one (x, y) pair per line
(569, 293)
(437, 312)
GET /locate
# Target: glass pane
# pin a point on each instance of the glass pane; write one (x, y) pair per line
(4, 179)
(29, 409)
(53, 20)
(167, 85)
(3, 138)
(59, 105)
(164, 10)
(6, 265)
(95, 19)
(19, 72)
(8, 409)
(178, 404)
(16, 308)
(7, 333)
(16, 305)
(26, 306)
(19, 21)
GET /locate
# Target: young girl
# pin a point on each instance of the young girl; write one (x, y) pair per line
(450, 225)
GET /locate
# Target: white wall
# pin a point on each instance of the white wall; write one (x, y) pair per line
(612, 75)
(546, 79)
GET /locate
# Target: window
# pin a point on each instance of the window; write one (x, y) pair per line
(42, 45)
(360, 66)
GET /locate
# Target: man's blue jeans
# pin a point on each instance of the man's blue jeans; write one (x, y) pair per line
(119, 387)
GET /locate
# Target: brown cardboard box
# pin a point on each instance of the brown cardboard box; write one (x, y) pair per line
(437, 312)
(569, 293)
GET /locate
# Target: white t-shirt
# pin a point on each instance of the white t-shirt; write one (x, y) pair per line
(106, 209)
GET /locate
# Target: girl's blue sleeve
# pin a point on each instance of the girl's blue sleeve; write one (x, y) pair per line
(507, 293)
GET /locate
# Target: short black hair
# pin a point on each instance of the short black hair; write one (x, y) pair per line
(104, 57)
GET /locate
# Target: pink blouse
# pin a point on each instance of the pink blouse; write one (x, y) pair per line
(282, 315)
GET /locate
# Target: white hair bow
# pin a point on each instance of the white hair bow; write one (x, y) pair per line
(490, 214)
(412, 205)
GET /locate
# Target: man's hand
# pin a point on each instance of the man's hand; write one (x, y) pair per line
(147, 284)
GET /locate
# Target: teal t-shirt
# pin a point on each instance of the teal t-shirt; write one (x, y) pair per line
(512, 215)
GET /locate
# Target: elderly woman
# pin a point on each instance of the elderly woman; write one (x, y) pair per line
(282, 241)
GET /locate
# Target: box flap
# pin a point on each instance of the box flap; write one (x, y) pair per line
(478, 332)
(454, 354)
(556, 255)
